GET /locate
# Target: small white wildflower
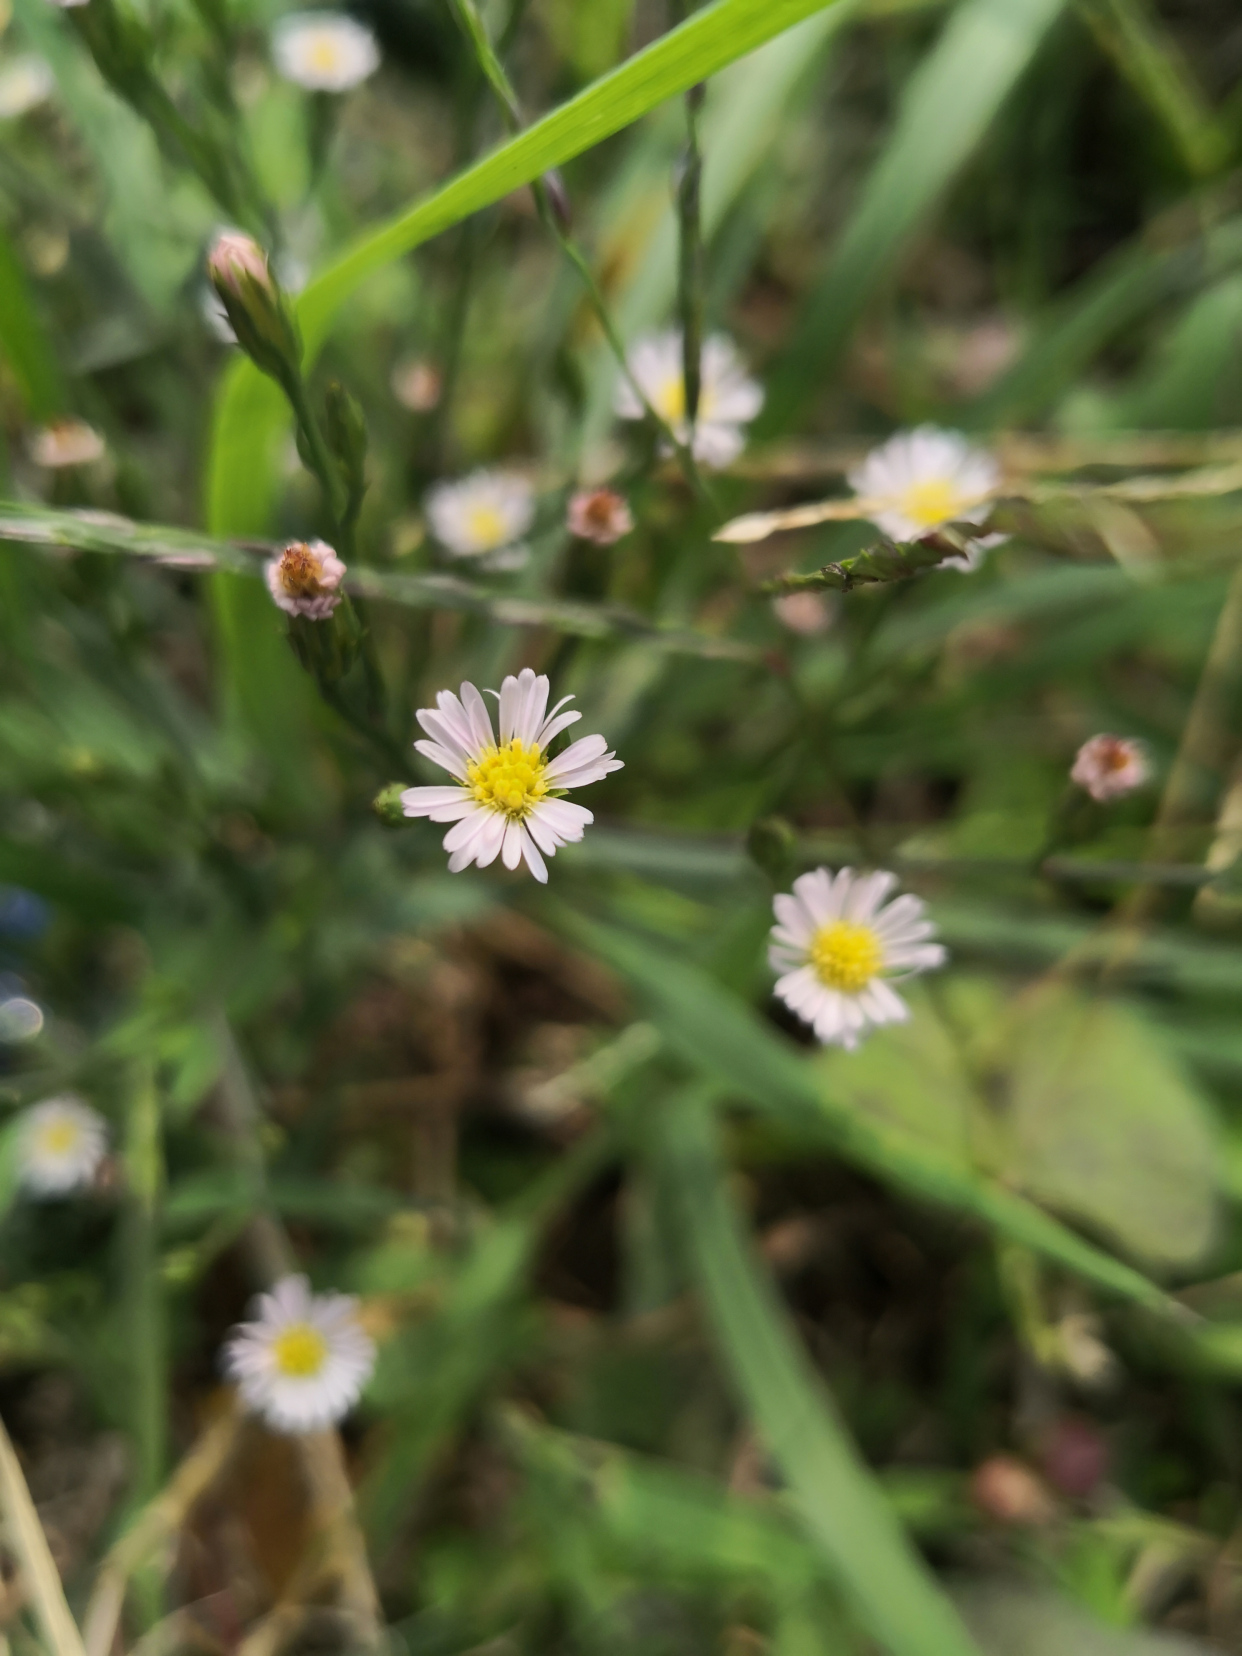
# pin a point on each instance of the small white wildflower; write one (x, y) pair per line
(483, 515)
(728, 398)
(1110, 766)
(64, 443)
(302, 1362)
(324, 51)
(599, 515)
(305, 579)
(61, 1143)
(920, 480)
(836, 944)
(25, 83)
(506, 803)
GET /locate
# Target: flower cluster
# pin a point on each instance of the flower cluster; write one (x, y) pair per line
(305, 579)
(324, 51)
(303, 1359)
(484, 516)
(921, 480)
(728, 398)
(1109, 767)
(507, 801)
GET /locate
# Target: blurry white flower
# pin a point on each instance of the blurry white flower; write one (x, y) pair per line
(25, 82)
(836, 945)
(303, 1361)
(505, 803)
(728, 398)
(483, 514)
(807, 612)
(324, 51)
(1110, 766)
(62, 1142)
(599, 515)
(68, 442)
(920, 480)
(416, 385)
(305, 579)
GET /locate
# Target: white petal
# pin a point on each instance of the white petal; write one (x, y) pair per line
(565, 819)
(511, 845)
(534, 861)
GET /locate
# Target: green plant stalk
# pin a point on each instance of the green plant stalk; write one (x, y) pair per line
(875, 1568)
(144, 1303)
(494, 73)
(690, 251)
(246, 422)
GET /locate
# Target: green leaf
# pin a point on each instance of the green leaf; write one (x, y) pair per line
(246, 422)
(1103, 1125)
(876, 1570)
(721, 1037)
(945, 113)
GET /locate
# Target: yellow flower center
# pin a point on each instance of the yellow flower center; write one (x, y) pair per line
(323, 54)
(846, 956)
(487, 526)
(669, 400)
(509, 778)
(932, 502)
(299, 1351)
(58, 1138)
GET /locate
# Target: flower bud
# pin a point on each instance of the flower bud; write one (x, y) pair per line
(345, 431)
(254, 304)
(387, 805)
(305, 579)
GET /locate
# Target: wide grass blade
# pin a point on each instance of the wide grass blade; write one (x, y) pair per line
(723, 1039)
(888, 1586)
(246, 423)
(948, 106)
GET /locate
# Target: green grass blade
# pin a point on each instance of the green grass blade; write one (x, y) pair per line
(245, 426)
(722, 1038)
(891, 1590)
(948, 106)
(23, 343)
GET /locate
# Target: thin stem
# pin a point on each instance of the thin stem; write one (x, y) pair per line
(144, 1307)
(690, 257)
(493, 72)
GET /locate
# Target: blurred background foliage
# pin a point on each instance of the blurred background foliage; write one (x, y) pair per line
(692, 1339)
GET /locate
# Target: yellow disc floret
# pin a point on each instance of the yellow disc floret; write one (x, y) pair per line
(299, 1351)
(669, 400)
(58, 1138)
(846, 956)
(935, 501)
(509, 778)
(487, 526)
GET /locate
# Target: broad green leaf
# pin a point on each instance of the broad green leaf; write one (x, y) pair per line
(722, 1038)
(1104, 1126)
(872, 1564)
(945, 113)
(712, 38)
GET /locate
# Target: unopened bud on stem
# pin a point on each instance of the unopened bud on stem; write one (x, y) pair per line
(254, 304)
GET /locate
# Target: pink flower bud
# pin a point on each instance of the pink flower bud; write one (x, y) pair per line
(305, 579)
(1110, 766)
(1006, 1490)
(236, 258)
(599, 515)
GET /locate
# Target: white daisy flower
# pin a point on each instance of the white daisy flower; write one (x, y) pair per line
(836, 945)
(324, 51)
(728, 398)
(1110, 766)
(305, 579)
(61, 1143)
(25, 83)
(483, 515)
(507, 802)
(69, 442)
(303, 1361)
(920, 480)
